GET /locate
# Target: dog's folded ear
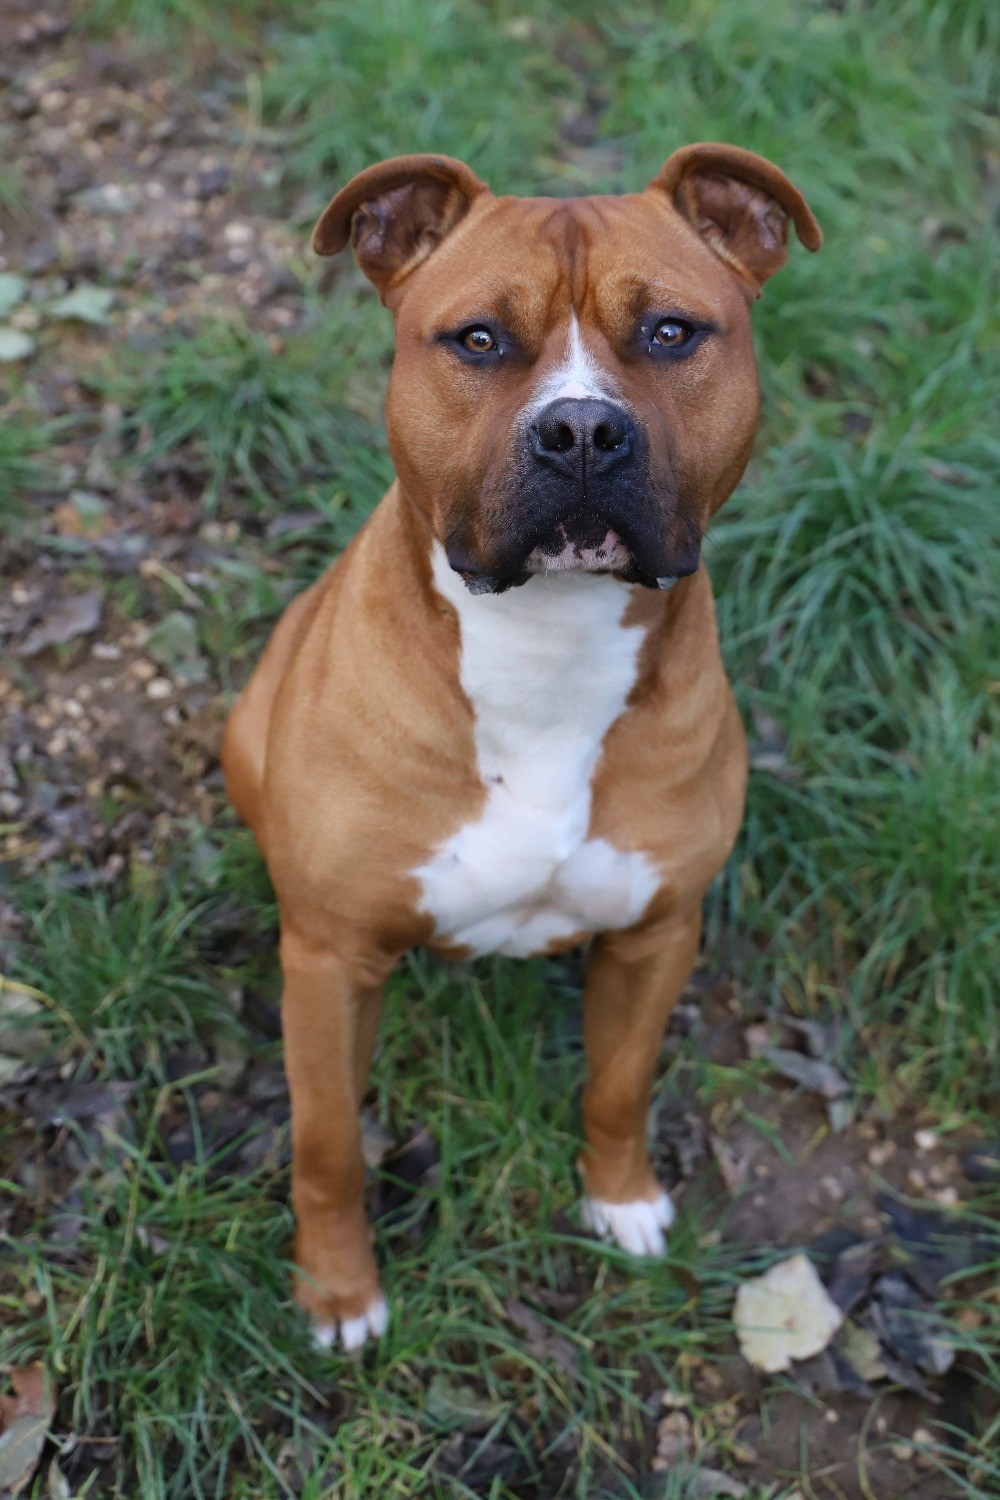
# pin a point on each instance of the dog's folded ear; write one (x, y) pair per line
(396, 213)
(740, 204)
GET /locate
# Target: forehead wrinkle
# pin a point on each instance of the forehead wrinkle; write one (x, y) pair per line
(565, 230)
(666, 296)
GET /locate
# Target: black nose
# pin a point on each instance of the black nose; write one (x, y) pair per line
(572, 433)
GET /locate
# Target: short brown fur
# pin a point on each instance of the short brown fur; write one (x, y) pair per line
(351, 751)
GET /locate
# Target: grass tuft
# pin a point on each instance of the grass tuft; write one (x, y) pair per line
(255, 413)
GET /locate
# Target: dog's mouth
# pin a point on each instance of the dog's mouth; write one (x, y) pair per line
(590, 541)
(591, 547)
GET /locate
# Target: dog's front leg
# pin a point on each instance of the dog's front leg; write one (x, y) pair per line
(330, 1010)
(634, 979)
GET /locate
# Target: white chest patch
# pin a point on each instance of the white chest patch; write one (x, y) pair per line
(547, 668)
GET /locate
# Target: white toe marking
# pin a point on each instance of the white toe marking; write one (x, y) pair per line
(637, 1226)
(378, 1317)
(354, 1331)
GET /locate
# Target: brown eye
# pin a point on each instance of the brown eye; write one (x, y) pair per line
(670, 334)
(479, 340)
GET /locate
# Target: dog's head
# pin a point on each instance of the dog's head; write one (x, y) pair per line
(574, 383)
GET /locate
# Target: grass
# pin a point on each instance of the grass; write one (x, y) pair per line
(179, 1273)
(257, 413)
(23, 439)
(486, 84)
(190, 29)
(856, 571)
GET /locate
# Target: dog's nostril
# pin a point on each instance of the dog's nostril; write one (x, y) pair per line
(607, 438)
(554, 436)
(570, 429)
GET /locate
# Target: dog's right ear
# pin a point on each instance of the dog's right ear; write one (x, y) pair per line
(396, 213)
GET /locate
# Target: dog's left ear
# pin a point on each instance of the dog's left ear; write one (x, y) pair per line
(740, 204)
(396, 213)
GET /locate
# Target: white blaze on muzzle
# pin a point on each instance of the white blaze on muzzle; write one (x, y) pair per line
(578, 376)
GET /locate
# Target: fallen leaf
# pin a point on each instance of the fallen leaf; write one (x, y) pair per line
(542, 1341)
(907, 1327)
(784, 1315)
(817, 1038)
(78, 615)
(375, 1142)
(811, 1073)
(12, 289)
(732, 1169)
(84, 304)
(403, 1195)
(59, 1488)
(775, 763)
(24, 1419)
(173, 644)
(852, 1275)
(460, 1404)
(688, 1481)
(18, 1008)
(982, 1164)
(21, 1447)
(936, 1244)
(862, 1351)
(83, 514)
(33, 1395)
(83, 1101)
(674, 1439)
(15, 345)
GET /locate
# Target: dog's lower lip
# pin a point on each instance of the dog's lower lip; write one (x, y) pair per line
(562, 552)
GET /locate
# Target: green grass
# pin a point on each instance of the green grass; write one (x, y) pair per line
(489, 84)
(856, 571)
(180, 1276)
(264, 416)
(13, 194)
(138, 986)
(189, 29)
(24, 439)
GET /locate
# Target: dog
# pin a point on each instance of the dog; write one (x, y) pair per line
(500, 722)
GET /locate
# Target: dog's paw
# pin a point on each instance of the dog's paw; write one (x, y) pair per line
(351, 1333)
(637, 1226)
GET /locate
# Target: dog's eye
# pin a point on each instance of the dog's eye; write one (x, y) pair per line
(479, 340)
(671, 333)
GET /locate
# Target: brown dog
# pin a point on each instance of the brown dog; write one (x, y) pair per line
(496, 725)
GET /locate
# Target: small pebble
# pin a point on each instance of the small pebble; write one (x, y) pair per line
(237, 234)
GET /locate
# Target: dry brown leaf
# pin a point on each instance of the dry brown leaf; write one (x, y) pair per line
(24, 1425)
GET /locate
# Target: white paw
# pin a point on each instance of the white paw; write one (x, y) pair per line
(637, 1226)
(353, 1332)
